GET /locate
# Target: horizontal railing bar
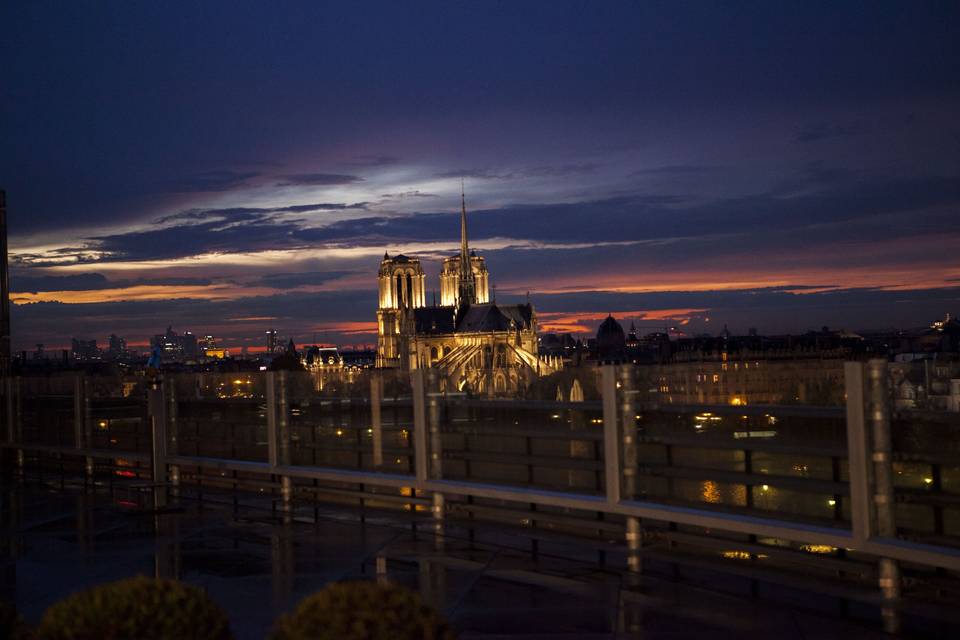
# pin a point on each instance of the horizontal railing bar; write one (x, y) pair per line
(944, 557)
(777, 410)
(744, 444)
(361, 495)
(71, 451)
(557, 433)
(916, 552)
(539, 516)
(507, 403)
(928, 457)
(668, 513)
(562, 463)
(348, 475)
(811, 485)
(926, 415)
(926, 496)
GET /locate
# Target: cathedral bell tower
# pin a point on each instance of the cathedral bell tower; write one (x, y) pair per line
(402, 289)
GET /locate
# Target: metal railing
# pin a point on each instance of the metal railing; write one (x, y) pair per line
(665, 480)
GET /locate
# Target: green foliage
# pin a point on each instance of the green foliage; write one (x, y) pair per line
(136, 609)
(362, 611)
(12, 625)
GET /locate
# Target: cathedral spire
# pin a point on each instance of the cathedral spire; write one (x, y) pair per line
(467, 289)
(464, 253)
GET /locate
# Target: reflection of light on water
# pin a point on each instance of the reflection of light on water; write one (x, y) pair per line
(742, 555)
(766, 497)
(753, 434)
(714, 493)
(701, 419)
(817, 548)
(710, 492)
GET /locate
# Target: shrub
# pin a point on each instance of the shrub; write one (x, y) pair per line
(12, 625)
(137, 608)
(362, 611)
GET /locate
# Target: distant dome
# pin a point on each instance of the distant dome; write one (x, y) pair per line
(611, 341)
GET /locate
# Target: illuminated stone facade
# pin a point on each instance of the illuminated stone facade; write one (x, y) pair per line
(401, 286)
(476, 345)
(450, 280)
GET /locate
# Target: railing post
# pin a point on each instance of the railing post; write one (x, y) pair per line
(376, 421)
(433, 416)
(419, 426)
(81, 423)
(283, 450)
(8, 397)
(436, 450)
(88, 424)
(9, 433)
(173, 434)
(611, 433)
(17, 424)
(157, 409)
(272, 446)
(283, 420)
(858, 448)
(78, 411)
(628, 409)
(880, 428)
(381, 565)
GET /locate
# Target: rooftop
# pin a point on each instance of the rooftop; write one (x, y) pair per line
(255, 568)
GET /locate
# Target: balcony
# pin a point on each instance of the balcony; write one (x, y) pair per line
(617, 515)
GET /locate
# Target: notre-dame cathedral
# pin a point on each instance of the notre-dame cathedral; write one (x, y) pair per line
(477, 345)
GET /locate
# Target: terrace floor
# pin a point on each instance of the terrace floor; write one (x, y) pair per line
(53, 542)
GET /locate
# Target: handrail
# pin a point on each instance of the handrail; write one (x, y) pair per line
(612, 443)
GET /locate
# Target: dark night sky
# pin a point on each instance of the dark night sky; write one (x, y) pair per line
(225, 167)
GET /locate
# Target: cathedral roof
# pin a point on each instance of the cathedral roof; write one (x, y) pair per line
(480, 318)
(433, 320)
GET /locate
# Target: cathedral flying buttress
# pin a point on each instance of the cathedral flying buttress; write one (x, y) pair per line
(475, 344)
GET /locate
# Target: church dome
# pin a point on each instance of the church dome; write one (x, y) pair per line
(611, 341)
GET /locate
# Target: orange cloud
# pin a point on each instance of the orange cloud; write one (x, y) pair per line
(348, 328)
(142, 292)
(584, 322)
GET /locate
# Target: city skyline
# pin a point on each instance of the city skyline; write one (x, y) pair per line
(230, 170)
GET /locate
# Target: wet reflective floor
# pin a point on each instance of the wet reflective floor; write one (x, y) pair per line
(55, 542)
